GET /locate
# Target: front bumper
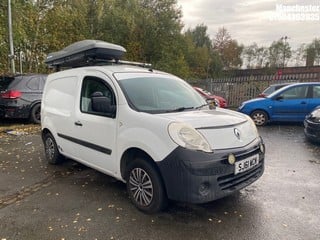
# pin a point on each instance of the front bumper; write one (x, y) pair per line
(198, 177)
(312, 130)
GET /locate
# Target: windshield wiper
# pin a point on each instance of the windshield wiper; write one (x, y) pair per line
(180, 109)
(203, 105)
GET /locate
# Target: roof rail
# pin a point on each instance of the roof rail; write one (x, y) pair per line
(101, 62)
(139, 64)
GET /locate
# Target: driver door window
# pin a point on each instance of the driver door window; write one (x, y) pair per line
(95, 87)
(298, 92)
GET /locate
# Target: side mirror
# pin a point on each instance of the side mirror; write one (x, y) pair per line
(212, 103)
(102, 104)
(279, 98)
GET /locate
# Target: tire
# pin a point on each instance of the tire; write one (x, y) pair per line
(52, 153)
(35, 114)
(259, 117)
(145, 187)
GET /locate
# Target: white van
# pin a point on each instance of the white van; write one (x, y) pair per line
(147, 128)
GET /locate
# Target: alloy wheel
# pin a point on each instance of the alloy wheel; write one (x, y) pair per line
(141, 186)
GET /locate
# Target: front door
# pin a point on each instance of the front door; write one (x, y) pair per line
(95, 130)
(291, 104)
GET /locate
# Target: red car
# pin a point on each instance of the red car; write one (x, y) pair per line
(207, 95)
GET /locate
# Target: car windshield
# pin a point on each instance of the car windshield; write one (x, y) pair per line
(274, 88)
(268, 90)
(4, 82)
(157, 93)
(280, 90)
(206, 92)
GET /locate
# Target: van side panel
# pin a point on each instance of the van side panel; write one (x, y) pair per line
(58, 107)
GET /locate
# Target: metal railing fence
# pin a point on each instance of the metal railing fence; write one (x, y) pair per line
(239, 89)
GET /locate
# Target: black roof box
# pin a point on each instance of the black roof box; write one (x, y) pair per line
(80, 53)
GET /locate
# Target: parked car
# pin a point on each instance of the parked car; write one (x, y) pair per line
(20, 96)
(147, 128)
(207, 95)
(272, 88)
(211, 100)
(288, 104)
(312, 125)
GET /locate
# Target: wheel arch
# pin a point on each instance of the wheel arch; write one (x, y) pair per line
(32, 106)
(44, 132)
(133, 153)
(35, 103)
(262, 110)
(256, 116)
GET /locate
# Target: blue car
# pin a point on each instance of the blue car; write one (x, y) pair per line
(288, 104)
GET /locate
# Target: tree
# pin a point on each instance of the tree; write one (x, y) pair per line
(255, 56)
(313, 52)
(29, 32)
(262, 54)
(150, 30)
(202, 60)
(316, 43)
(249, 54)
(279, 53)
(228, 49)
(4, 42)
(300, 55)
(200, 36)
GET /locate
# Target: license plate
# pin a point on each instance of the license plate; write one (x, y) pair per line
(246, 164)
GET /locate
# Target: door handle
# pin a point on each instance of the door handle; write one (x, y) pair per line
(303, 102)
(78, 123)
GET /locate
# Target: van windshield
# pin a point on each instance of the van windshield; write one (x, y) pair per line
(156, 93)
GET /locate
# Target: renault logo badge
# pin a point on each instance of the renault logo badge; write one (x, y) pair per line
(237, 133)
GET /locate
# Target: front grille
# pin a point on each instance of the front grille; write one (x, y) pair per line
(221, 165)
(233, 182)
(245, 154)
(311, 131)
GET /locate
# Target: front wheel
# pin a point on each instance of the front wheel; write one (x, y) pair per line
(145, 186)
(259, 117)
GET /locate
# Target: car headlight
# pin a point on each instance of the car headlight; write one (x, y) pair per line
(241, 106)
(316, 113)
(315, 116)
(186, 136)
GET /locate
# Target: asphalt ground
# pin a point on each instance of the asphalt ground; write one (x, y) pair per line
(71, 201)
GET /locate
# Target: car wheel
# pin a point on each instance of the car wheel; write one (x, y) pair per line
(145, 186)
(51, 150)
(259, 117)
(35, 116)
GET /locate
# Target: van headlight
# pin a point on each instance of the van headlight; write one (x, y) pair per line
(253, 125)
(186, 136)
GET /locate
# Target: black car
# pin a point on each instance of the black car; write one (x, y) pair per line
(312, 125)
(20, 96)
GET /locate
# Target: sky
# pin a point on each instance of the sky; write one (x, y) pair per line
(260, 21)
